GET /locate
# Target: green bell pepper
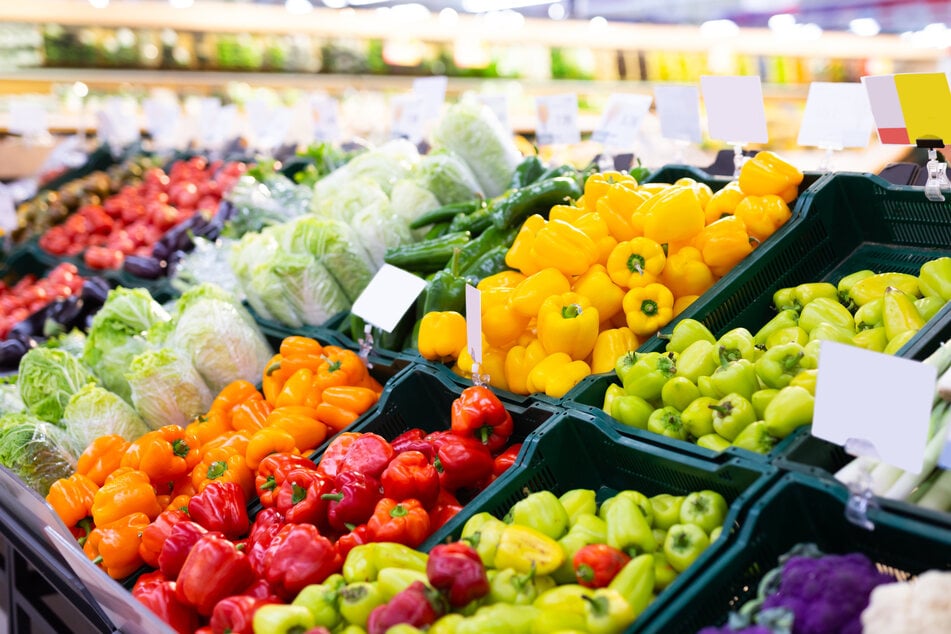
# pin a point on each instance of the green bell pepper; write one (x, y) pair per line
(869, 315)
(632, 411)
(929, 306)
(806, 379)
(642, 501)
(578, 502)
(806, 293)
(684, 543)
(628, 529)
(608, 612)
(666, 422)
(778, 365)
(732, 414)
(515, 588)
(559, 621)
(678, 392)
(483, 531)
(648, 374)
(697, 418)
(697, 360)
(365, 561)
(323, 601)
(792, 334)
(736, 344)
(761, 399)
(786, 318)
(357, 600)
(736, 377)
(664, 573)
(610, 394)
(391, 581)
(824, 310)
(564, 598)
(844, 287)
(934, 278)
(756, 438)
(785, 299)
(873, 286)
(276, 618)
(499, 618)
(831, 332)
(542, 511)
(666, 509)
(446, 624)
(874, 339)
(635, 582)
(789, 410)
(713, 442)
(685, 333)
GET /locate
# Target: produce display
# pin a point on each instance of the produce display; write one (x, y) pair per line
(752, 390)
(591, 278)
(31, 294)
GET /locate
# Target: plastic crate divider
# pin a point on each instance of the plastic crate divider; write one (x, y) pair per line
(798, 509)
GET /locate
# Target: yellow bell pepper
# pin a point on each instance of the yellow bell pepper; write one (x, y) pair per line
(762, 215)
(648, 309)
(568, 323)
(567, 213)
(502, 324)
(723, 244)
(767, 173)
(618, 207)
(610, 346)
(529, 295)
(598, 287)
(519, 361)
(704, 193)
(723, 202)
(503, 279)
(683, 302)
(556, 374)
(686, 273)
(519, 255)
(676, 216)
(565, 247)
(493, 365)
(636, 262)
(597, 185)
(442, 334)
(597, 229)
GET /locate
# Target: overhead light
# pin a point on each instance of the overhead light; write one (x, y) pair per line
(99, 4)
(298, 7)
(485, 6)
(781, 21)
(335, 4)
(448, 16)
(719, 28)
(865, 27)
(598, 23)
(557, 11)
(181, 4)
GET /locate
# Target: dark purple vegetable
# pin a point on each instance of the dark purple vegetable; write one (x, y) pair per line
(11, 351)
(31, 325)
(95, 289)
(66, 311)
(146, 267)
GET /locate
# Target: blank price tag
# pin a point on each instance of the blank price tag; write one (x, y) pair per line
(161, 119)
(269, 123)
(432, 94)
(27, 118)
(557, 120)
(408, 118)
(387, 297)
(125, 613)
(735, 111)
(837, 115)
(325, 115)
(621, 119)
(678, 108)
(499, 105)
(886, 109)
(876, 403)
(474, 324)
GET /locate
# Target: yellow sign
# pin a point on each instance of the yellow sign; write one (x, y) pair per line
(926, 104)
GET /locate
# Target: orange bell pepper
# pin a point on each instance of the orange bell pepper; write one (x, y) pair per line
(272, 380)
(223, 464)
(300, 352)
(266, 441)
(683, 302)
(125, 491)
(205, 428)
(115, 546)
(354, 398)
(300, 422)
(72, 498)
(296, 389)
(340, 367)
(163, 454)
(102, 457)
(251, 415)
(236, 441)
(230, 396)
(335, 418)
(179, 501)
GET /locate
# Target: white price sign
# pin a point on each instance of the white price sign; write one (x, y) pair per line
(28, 118)
(678, 108)
(408, 117)
(837, 115)
(325, 115)
(432, 94)
(474, 323)
(269, 123)
(735, 110)
(499, 105)
(387, 297)
(557, 120)
(621, 118)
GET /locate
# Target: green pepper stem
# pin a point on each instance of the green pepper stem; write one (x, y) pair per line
(571, 311)
(399, 511)
(649, 307)
(333, 497)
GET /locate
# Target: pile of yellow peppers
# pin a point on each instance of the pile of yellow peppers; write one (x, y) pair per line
(598, 276)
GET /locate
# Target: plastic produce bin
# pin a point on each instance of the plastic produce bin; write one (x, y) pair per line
(576, 452)
(798, 509)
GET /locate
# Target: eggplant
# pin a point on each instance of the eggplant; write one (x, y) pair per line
(149, 268)
(31, 326)
(66, 312)
(95, 289)
(11, 351)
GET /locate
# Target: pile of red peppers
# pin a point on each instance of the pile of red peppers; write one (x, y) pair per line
(214, 567)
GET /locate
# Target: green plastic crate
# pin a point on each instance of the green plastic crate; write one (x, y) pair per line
(672, 172)
(574, 451)
(799, 509)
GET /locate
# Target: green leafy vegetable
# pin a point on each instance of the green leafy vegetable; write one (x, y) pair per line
(166, 388)
(38, 452)
(94, 411)
(48, 377)
(126, 312)
(448, 177)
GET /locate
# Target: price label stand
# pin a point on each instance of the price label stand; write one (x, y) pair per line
(937, 171)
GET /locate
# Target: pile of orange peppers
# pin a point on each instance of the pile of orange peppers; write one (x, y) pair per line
(598, 276)
(308, 393)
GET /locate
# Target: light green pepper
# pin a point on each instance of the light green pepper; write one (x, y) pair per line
(323, 601)
(578, 502)
(608, 612)
(365, 561)
(635, 582)
(499, 618)
(542, 511)
(390, 581)
(275, 618)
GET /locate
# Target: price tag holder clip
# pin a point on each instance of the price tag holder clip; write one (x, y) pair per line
(861, 497)
(738, 159)
(366, 345)
(937, 171)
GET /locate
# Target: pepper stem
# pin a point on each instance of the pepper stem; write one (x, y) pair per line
(636, 263)
(649, 307)
(399, 511)
(333, 497)
(571, 311)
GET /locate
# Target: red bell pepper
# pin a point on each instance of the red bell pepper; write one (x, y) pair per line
(214, 569)
(155, 534)
(272, 471)
(478, 413)
(157, 593)
(261, 589)
(410, 475)
(413, 439)
(417, 605)
(443, 510)
(300, 497)
(437, 439)
(221, 506)
(177, 545)
(298, 556)
(506, 459)
(405, 522)
(596, 565)
(352, 500)
(331, 461)
(457, 570)
(368, 454)
(267, 523)
(463, 463)
(348, 541)
(235, 615)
